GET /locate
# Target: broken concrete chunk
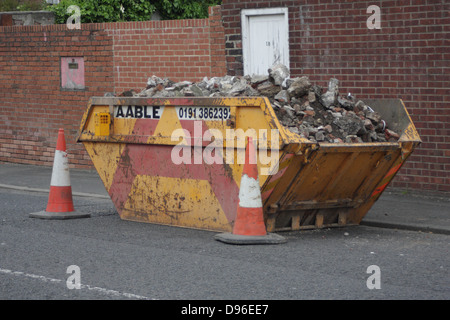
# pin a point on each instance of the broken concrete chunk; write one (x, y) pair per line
(348, 104)
(311, 96)
(359, 106)
(374, 116)
(329, 98)
(237, 88)
(257, 79)
(153, 81)
(299, 87)
(282, 96)
(320, 136)
(350, 125)
(353, 139)
(278, 73)
(268, 89)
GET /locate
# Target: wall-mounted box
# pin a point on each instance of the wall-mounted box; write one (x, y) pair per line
(72, 73)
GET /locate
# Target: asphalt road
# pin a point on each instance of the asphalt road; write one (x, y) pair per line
(121, 260)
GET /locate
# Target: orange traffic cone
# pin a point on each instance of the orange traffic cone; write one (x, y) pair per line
(249, 226)
(60, 203)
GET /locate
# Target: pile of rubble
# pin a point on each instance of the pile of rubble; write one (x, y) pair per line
(300, 106)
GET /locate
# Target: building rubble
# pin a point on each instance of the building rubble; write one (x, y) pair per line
(304, 108)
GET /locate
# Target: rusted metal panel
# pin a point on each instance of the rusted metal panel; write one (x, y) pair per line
(339, 183)
(136, 160)
(178, 162)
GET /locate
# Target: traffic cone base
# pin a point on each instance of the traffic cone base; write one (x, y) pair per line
(58, 215)
(60, 203)
(249, 226)
(230, 238)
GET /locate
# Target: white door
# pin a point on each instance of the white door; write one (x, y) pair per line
(264, 39)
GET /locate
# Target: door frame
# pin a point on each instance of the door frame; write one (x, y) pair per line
(245, 15)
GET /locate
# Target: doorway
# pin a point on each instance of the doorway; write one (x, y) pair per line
(265, 39)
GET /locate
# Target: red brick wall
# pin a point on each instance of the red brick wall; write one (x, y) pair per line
(118, 57)
(177, 49)
(32, 104)
(408, 58)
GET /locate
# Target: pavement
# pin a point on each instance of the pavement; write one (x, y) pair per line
(396, 209)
